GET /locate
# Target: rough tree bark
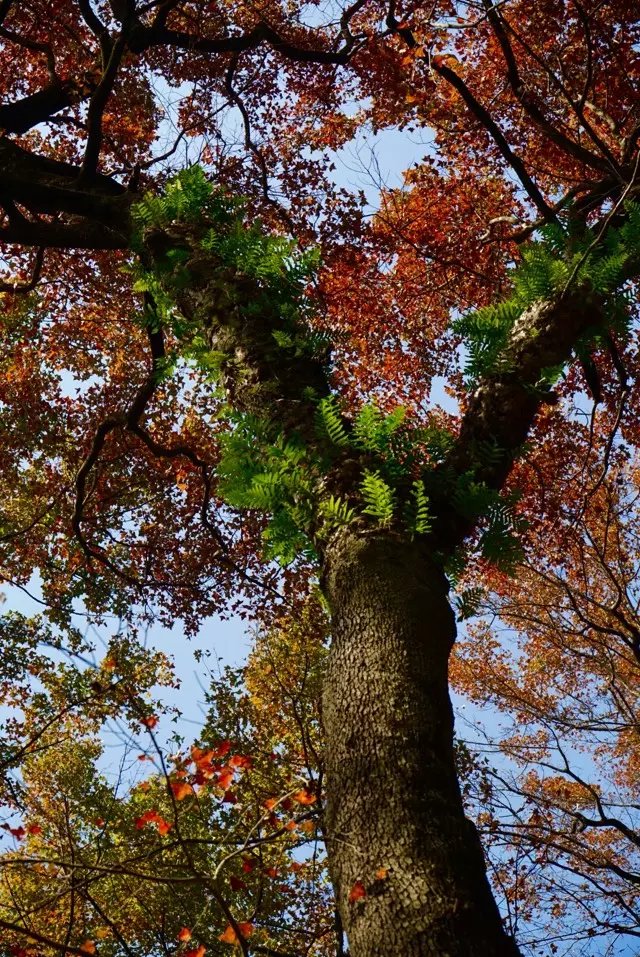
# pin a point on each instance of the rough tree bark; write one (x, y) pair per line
(393, 796)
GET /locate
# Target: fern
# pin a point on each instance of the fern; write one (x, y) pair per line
(378, 497)
(468, 602)
(418, 516)
(284, 541)
(373, 430)
(499, 542)
(336, 512)
(330, 421)
(547, 267)
(473, 499)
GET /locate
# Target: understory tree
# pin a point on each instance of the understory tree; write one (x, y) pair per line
(219, 393)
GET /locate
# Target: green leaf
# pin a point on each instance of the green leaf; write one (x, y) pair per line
(378, 497)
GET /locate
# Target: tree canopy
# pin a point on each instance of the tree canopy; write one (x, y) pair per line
(234, 384)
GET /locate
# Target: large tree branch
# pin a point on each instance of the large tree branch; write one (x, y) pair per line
(142, 37)
(24, 114)
(502, 408)
(98, 206)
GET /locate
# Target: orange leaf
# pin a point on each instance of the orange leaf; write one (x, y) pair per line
(184, 935)
(152, 817)
(357, 893)
(181, 790)
(239, 761)
(305, 796)
(382, 873)
(230, 937)
(150, 722)
(225, 777)
(88, 947)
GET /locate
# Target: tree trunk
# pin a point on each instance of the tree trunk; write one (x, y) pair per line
(407, 866)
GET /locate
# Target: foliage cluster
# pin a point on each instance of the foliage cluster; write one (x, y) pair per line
(595, 259)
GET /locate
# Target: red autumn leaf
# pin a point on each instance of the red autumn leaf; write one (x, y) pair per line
(230, 937)
(150, 722)
(224, 778)
(247, 865)
(236, 884)
(152, 817)
(184, 935)
(181, 790)
(271, 871)
(34, 829)
(357, 893)
(240, 761)
(199, 951)
(200, 756)
(229, 797)
(222, 749)
(305, 796)
(18, 832)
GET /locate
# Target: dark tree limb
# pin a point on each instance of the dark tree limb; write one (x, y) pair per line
(606, 162)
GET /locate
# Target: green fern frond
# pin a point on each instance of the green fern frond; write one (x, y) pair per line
(367, 427)
(468, 602)
(336, 512)
(378, 498)
(330, 421)
(417, 513)
(499, 543)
